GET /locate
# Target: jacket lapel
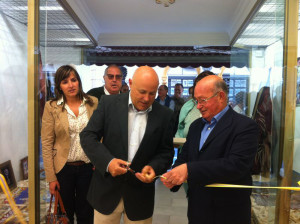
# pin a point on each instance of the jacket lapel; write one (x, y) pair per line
(123, 117)
(198, 136)
(63, 118)
(222, 124)
(149, 127)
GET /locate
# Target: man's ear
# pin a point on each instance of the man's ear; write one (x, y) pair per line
(222, 95)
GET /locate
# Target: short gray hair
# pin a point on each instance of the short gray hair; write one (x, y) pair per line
(112, 66)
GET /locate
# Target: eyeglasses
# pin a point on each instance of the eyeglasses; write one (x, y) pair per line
(111, 77)
(204, 101)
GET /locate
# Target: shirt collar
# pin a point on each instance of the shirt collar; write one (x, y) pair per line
(106, 91)
(133, 107)
(218, 116)
(61, 101)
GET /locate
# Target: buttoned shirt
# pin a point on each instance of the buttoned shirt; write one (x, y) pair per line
(137, 122)
(208, 127)
(76, 125)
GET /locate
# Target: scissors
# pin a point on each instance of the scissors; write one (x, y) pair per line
(129, 169)
(133, 171)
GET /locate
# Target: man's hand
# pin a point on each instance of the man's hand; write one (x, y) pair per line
(176, 176)
(146, 175)
(117, 167)
(53, 185)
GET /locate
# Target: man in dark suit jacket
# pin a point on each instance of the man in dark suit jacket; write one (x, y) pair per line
(220, 148)
(134, 128)
(113, 83)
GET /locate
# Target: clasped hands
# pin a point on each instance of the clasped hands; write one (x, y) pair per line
(175, 177)
(118, 167)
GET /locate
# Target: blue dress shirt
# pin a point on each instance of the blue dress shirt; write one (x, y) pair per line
(208, 127)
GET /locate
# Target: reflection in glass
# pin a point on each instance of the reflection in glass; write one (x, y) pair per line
(264, 101)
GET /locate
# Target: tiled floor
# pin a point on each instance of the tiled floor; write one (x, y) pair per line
(170, 208)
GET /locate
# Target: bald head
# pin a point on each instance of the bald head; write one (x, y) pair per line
(143, 87)
(146, 74)
(211, 93)
(213, 82)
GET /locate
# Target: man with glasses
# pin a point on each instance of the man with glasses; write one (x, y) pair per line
(220, 148)
(113, 83)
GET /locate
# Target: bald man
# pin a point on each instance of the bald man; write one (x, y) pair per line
(220, 148)
(137, 146)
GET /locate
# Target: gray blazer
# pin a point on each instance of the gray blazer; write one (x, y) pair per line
(110, 122)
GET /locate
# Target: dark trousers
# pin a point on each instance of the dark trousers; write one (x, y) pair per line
(74, 183)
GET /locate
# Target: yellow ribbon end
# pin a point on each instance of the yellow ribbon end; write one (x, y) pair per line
(299, 183)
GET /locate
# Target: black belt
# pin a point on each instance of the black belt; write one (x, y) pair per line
(76, 163)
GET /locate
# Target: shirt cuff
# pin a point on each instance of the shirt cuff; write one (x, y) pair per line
(108, 166)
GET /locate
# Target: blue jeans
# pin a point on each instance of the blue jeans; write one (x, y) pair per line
(74, 183)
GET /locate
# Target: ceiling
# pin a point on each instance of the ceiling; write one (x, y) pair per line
(146, 23)
(57, 27)
(200, 23)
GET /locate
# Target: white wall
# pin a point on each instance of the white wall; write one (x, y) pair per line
(13, 93)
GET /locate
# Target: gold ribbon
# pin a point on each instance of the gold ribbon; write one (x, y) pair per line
(248, 186)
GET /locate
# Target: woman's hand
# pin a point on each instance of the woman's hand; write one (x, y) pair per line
(53, 185)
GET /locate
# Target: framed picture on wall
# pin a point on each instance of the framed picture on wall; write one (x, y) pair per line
(7, 171)
(24, 167)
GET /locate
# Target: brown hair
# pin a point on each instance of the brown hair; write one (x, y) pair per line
(62, 73)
